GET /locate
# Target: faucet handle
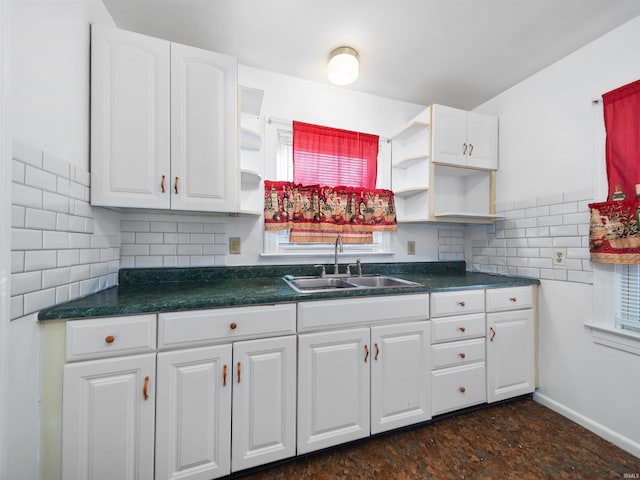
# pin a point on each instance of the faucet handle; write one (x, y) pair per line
(349, 268)
(323, 273)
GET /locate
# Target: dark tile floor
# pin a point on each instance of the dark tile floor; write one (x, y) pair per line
(516, 440)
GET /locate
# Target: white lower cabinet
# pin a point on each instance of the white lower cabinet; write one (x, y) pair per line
(353, 383)
(510, 355)
(197, 435)
(333, 388)
(108, 412)
(193, 426)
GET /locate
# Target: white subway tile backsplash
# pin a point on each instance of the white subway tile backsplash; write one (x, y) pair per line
(163, 250)
(148, 261)
(40, 179)
(134, 249)
(87, 287)
(40, 260)
(203, 261)
(79, 240)
(38, 300)
(149, 238)
(40, 219)
(164, 227)
(55, 165)
(17, 261)
(56, 277)
(25, 196)
(79, 272)
(62, 294)
(134, 226)
(25, 282)
(54, 202)
(189, 249)
(203, 238)
(90, 255)
(17, 171)
(17, 216)
(17, 306)
(76, 224)
(190, 227)
(55, 240)
(68, 257)
(534, 234)
(26, 239)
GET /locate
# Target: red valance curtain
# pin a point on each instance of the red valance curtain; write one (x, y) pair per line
(614, 234)
(329, 156)
(336, 158)
(622, 122)
(321, 213)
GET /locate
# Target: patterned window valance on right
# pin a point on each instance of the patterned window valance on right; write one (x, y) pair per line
(614, 236)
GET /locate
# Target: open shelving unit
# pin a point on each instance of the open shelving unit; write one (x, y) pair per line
(251, 151)
(430, 192)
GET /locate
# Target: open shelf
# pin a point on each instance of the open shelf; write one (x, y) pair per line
(250, 139)
(409, 162)
(250, 177)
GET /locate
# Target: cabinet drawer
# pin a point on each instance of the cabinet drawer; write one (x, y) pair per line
(457, 303)
(108, 337)
(348, 312)
(458, 387)
(457, 328)
(205, 327)
(512, 298)
(457, 353)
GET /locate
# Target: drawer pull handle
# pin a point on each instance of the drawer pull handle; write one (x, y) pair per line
(175, 186)
(462, 329)
(233, 325)
(239, 370)
(110, 339)
(366, 356)
(162, 184)
(145, 388)
(377, 351)
(224, 376)
(462, 355)
(462, 304)
(462, 389)
(493, 333)
(514, 299)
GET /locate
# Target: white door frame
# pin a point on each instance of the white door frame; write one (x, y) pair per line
(5, 241)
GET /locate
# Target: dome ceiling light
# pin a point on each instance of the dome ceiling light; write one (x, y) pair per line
(344, 66)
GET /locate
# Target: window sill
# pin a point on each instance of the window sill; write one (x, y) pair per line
(617, 338)
(317, 253)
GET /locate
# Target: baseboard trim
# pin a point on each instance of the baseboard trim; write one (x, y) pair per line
(618, 440)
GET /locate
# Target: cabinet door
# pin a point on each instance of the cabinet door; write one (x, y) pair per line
(510, 355)
(400, 378)
(449, 135)
(264, 401)
(108, 419)
(482, 137)
(129, 119)
(333, 388)
(193, 429)
(204, 130)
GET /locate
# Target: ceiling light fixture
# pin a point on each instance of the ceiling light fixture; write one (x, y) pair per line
(343, 66)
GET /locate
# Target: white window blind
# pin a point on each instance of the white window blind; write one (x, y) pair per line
(628, 296)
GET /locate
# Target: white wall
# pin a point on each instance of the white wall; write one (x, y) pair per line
(49, 72)
(547, 129)
(289, 98)
(48, 109)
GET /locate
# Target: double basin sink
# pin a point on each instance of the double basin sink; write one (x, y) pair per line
(330, 283)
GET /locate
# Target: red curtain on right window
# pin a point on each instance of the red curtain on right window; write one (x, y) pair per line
(622, 122)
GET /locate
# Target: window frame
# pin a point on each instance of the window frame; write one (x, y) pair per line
(279, 169)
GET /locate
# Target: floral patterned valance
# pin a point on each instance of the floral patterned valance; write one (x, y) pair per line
(316, 208)
(614, 236)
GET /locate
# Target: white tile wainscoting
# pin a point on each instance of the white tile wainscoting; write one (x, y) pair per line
(527, 241)
(61, 247)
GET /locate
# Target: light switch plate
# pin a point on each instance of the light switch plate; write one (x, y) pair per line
(411, 247)
(234, 245)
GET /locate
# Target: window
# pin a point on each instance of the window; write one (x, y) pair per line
(277, 242)
(628, 297)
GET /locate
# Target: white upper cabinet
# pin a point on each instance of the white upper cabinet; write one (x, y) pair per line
(464, 138)
(164, 124)
(130, 132)
(204, 131)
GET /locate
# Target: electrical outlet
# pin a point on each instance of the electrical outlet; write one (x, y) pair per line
(411, 247)
(234, 245)
(559, 256)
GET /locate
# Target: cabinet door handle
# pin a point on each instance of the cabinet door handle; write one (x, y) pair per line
(470, 149)
(462, 329)
(366, 355)
(514, 299)
(462, 304)
(464, 152)
(162, 184)
(224, 376)
(110, 339)
(145, 388)
(175, 186)
(233, 325)
(462, 389)
(239, 370)
(493, 333)
(377, 351)
(462, 355)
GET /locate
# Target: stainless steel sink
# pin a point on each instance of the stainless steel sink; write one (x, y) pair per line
(381, 281)
(325, 284)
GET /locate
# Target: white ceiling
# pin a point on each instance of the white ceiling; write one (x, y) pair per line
(454, 52)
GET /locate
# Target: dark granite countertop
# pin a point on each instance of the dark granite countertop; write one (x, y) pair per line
(173, 289)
